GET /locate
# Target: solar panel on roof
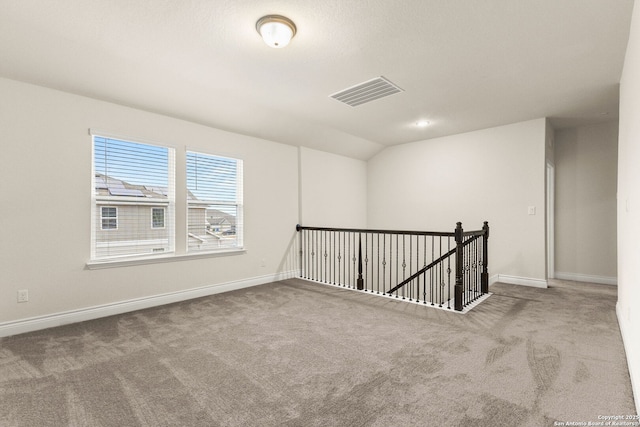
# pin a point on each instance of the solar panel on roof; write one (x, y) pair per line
(125, 192)
(112, 183)
(100, 183)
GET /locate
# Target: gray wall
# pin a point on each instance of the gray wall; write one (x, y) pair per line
(492, 174)
(46, 166)
(629, 205)
(586, 161)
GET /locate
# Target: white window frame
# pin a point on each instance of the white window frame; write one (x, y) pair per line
(179, 250)
(238, 203)
(98, 200)
(102, 218)
(164, 218)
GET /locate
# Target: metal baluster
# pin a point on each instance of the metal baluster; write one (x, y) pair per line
(470, 271)
(417, 267)
(319, 252)
(384, 262)
(360, 279)
(473, 268)
(424, 276)
(467, 274)
(306, 253)
(319, 259)
(441, 279)
(397, 259)
(330, 256)
(303, 254)
(366, 261)
(308, 257)
(437, 287)
(354, 259)
(404, 264)
(477, 251)
(352, 252)
(478, 269)
(481, 256)
(449, 274)
(318, 256)
(312, 260)
(391, 263)
(333, 257)
(433, 297)
(339, 258)
(346, 259)
(300, 253)
(325, 256)
(410, 286)
(378, 264)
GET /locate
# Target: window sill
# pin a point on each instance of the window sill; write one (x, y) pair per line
(97, 265)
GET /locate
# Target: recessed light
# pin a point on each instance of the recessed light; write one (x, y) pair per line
(423, 123)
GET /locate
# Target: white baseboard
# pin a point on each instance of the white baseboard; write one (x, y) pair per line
(524, 281)
(628, 349)
(58, 319)
(604, 280)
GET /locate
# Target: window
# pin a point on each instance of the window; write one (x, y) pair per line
(157, 217)
(214, 202)
(131, 179)
(133, 202)
(109, 218)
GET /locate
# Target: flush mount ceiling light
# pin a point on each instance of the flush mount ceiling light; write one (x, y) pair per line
(276, 30)
(422, 123)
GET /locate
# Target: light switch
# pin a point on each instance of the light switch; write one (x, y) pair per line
(532, 210)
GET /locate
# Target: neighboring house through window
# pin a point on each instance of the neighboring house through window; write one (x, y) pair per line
(130, 180)
(214, 202)
(109, 217)
(157, 217)
(133, 201)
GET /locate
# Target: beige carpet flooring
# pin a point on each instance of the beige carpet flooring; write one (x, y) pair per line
(295, 353)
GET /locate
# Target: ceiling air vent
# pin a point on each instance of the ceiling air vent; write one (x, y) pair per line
(366, 92)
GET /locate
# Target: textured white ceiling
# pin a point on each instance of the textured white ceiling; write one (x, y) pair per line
(463, 64)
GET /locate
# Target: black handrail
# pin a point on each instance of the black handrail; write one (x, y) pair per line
(383, 257)
(374, 231)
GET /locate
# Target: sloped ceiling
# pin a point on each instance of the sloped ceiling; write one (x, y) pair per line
(462, 64)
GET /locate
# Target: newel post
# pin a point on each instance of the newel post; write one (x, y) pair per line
(298, 230)
(458, 288)
(485, 259)
(360, 281)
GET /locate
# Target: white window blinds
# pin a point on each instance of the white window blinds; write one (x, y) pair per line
(214, 202)
(133, 199)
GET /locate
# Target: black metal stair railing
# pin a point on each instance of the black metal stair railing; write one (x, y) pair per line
(411, 265)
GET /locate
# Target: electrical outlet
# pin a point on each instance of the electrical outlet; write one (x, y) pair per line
(532, 210)
(23, 295)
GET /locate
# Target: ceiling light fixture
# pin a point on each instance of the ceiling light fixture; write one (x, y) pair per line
(422, 123)
(276, 30)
